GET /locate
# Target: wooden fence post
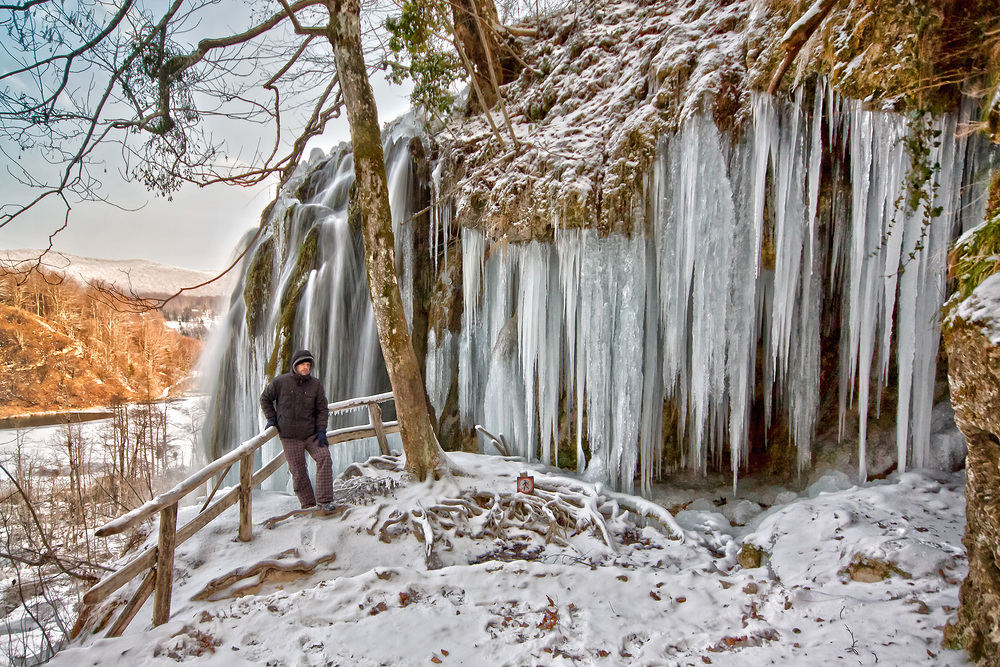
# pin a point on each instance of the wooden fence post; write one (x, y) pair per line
(246, 474)
(165, 564)
(375, 414)
(133, 605)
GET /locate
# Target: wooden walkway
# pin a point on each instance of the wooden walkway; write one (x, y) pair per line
(157, 562)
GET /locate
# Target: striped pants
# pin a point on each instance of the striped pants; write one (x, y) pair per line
(295, 453)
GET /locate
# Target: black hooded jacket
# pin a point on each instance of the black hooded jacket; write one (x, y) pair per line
(298, 402)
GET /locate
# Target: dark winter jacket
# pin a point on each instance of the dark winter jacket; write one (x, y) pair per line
(298, 402)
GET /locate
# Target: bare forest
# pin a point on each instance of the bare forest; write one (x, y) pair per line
(64, 347)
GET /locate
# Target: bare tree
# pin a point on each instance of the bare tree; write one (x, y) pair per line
(153, 84)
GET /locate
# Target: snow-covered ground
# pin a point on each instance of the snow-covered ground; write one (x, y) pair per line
(510, 597)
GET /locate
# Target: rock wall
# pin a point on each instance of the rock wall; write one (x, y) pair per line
(972, 339)
(974, 373)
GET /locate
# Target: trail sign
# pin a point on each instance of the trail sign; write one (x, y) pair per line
(525, 483)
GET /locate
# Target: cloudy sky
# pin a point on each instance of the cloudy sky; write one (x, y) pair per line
(198, 229)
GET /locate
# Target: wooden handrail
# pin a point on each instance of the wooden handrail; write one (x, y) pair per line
(158, 560)
(151, 507)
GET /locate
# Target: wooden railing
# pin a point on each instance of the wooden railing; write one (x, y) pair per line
(158, 561)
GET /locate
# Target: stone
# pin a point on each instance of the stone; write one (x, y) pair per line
(974, 376)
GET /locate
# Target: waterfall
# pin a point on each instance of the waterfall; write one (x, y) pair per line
(321, 304)
(719, 300)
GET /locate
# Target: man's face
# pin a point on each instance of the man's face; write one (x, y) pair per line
(303, 367)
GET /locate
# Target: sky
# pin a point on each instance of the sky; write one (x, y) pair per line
(198, 229)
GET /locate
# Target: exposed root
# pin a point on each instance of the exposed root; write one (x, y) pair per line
(282, 568)
(558, 512)
(387, 463)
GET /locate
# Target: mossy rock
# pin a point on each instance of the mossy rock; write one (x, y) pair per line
(751, 557)
(906, 55)
(258, 288)
(281, 355)
(872, 570)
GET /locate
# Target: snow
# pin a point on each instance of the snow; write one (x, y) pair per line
(648, 600)
(45, 445)
(133, 275)
(983, 308)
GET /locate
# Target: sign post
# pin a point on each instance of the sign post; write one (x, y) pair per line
(525, 483)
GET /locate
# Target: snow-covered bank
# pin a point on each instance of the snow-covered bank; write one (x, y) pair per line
(519, 600)
(43, 444)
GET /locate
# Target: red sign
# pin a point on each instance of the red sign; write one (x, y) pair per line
(525, 483)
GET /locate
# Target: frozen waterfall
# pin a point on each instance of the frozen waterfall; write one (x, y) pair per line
(709, 320)
(749, 238)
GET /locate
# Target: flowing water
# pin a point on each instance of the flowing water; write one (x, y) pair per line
(720, 292)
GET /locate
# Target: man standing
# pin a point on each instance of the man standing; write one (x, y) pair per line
(295, 403)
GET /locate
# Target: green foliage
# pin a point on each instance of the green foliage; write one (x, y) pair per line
(921, 182)
(420, 53)
(976, 256)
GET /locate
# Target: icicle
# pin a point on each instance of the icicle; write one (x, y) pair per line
(629, 292)
(570, 252)
(651, 427)
(790, 234)
(742, 315)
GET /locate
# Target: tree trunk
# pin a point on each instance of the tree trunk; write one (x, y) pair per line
(465, 14)
(423, 454)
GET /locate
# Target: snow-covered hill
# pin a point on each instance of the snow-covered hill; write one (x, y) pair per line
(143, 277)
(867, 574)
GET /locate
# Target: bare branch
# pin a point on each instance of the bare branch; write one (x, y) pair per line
(26, 6)
(41, 532)
(796, 37)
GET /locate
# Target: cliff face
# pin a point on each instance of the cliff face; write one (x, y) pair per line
(974, 374)
(972, 337)
(577, 131)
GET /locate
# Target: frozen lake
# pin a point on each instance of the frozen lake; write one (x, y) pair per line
(46, 443)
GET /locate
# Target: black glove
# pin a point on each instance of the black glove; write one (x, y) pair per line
(273, 421)
(321, 438)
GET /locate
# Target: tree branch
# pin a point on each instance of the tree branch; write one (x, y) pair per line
(796, 37)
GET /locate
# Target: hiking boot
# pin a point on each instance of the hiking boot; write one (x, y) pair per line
(328, 507)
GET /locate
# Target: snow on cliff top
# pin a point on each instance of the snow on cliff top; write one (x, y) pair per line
(143, 277)
(983, 308)
(516, 600)
(603, 82)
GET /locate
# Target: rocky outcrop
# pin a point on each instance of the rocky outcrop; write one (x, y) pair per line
(974, 372)
(972, 337)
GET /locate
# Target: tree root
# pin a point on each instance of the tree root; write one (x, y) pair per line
(559, 510)
(275, 570)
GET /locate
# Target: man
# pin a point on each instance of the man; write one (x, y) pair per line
(295, 403)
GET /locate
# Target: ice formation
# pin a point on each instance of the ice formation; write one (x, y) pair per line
(734, 263)
(581, 340)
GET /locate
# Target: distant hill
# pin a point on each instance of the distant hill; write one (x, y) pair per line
(141, 276)
(64, 348)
